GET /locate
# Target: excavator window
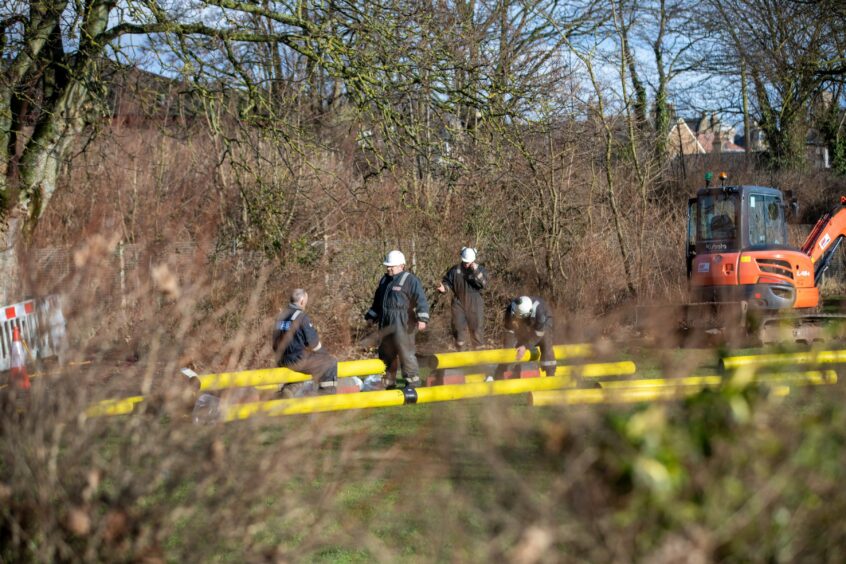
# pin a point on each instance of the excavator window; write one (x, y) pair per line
(717, 216)
(766, 220)
(722, 227)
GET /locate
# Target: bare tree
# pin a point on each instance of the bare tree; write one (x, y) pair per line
(53, 53)
(787, 49)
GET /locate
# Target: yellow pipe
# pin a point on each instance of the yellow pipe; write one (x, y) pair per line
(596, 370)
(812, 377)
(259, 377)
(120, 406)
(599, 370)
(819, 357)
(364, 367)
(563, 378)
(598, 395)
(483, 389)
(284, 375)
(315, 404)
(392, 398)
(502, 356)
(781, 391)
(398, 397)
(815, 377)
(702, 381)
(661, 388)
(269, 377)
(629, 391)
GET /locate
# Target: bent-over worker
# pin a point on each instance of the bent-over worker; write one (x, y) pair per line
(528, 323)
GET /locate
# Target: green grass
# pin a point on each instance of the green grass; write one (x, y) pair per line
(457, 481)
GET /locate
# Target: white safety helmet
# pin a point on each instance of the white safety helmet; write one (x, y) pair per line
(468, 255)
(523, 306)
(394, 258)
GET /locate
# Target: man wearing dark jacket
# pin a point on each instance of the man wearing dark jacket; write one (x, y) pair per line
(400, 308)
(528, 323)
(298, 347)
(467, 280)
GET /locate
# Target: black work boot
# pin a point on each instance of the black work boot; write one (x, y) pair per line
(389, 382)
(413, 382)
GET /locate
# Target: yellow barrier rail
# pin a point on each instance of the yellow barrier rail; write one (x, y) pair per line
(545, 391)
(784, 359)
(276, 376)
(654, 389)
(120, 406)
(563, 378)
(442, 361)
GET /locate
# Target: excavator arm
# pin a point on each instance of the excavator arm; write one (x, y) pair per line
(825, 238)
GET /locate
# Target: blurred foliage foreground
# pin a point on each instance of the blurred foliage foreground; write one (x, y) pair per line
(728, 475)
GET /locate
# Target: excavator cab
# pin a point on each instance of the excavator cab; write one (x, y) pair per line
(738, 258)
(742, 271)
(732, 219)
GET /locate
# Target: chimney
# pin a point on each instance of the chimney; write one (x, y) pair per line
(717, 144)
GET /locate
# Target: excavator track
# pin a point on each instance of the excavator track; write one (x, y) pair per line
(734, 322)
(800, 328)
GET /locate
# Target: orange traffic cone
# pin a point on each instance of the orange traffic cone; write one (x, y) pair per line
(17, 360)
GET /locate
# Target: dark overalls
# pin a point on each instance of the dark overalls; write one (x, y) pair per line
(398, 304)
(297, 337)
(531, 331)
(468, 307)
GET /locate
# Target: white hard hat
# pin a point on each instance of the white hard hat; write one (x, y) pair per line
(523, 306)
(394, 258)
(468, 255)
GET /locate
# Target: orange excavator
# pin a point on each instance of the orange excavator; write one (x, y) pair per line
(741, 271)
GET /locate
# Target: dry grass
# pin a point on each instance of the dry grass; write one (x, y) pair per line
(736, 475)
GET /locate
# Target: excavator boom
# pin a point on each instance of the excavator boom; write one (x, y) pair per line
(825, 238)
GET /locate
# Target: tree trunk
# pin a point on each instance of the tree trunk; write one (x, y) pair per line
(39, 172)
(27, 187)
(10, 285)
(747, 120)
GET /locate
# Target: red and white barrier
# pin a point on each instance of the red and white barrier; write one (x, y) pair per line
(32, 319)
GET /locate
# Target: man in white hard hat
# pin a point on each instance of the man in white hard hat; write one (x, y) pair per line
(467, 279)
(528, 323)
(298, 347)
(400, 309)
